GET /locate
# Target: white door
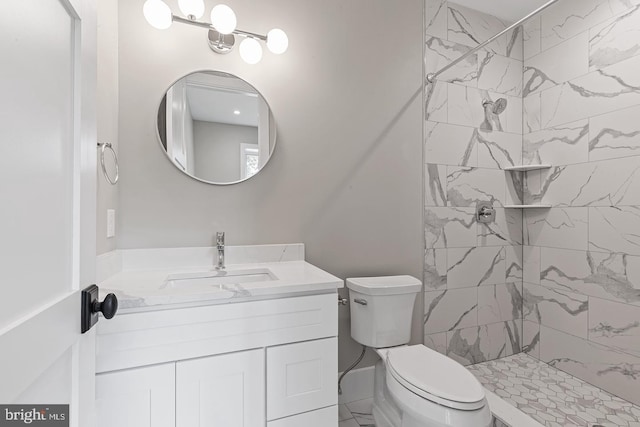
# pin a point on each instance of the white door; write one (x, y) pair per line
(47, 195)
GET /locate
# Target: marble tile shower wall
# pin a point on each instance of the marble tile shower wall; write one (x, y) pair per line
(581, 91)
(473, 272)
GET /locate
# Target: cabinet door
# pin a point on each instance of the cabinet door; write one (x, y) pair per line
(143, 397)
(301, 377)
(221, 391)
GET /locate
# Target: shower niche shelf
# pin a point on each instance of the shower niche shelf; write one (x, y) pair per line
(525, 168)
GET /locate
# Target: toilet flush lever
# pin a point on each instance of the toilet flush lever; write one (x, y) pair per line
(360, 301)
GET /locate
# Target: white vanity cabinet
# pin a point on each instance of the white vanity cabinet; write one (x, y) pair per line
(141, 397)
(270, 363)
(301, 377)
(224, 390)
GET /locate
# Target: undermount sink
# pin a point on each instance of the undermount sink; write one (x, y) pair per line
(219, 278)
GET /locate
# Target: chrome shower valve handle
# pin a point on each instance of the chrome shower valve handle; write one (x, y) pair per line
(485, 213)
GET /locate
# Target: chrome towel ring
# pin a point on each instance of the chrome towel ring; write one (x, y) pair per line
(103, 146)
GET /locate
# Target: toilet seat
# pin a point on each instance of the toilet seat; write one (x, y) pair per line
(435, 377)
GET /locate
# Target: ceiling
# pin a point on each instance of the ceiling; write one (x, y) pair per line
(510, 10)
(216, 105)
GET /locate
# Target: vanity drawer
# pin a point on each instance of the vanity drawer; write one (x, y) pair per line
(327, 417)
(139, 339)
(301, 377)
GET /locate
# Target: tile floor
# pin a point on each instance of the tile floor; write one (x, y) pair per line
(356, 414)
(552, 397)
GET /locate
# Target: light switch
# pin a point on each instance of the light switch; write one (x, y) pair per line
(111, 223)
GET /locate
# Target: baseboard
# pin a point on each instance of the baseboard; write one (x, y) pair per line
(357, 385)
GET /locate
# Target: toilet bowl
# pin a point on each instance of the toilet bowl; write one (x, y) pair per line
(428, 390)
(414, 385)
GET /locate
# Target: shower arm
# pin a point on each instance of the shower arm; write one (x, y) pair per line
(431, 77)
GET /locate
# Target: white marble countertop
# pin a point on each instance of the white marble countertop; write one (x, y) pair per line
(151, 289)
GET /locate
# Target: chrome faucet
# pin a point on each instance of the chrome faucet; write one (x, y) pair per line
(220, 246)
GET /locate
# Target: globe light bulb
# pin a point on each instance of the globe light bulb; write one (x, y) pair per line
(157, 14)
(193, 8)
(250, 51)
(277, 41)
(223, 19)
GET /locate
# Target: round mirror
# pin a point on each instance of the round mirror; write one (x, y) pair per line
(216, 127)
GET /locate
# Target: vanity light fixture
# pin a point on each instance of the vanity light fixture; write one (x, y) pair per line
(222, 29)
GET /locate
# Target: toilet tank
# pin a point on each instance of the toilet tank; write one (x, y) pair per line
(382, 309)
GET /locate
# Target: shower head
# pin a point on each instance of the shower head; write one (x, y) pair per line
(496, 107)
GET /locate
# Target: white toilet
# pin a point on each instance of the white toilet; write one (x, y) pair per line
(414, 385)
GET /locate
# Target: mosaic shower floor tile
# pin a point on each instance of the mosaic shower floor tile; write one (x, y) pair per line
(552, 397)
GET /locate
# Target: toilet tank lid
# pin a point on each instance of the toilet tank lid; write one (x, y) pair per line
(385, 285)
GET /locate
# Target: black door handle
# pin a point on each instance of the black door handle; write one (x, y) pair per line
(91, 307)
(108, 307)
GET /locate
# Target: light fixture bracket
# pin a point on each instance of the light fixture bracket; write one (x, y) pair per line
(220, 43)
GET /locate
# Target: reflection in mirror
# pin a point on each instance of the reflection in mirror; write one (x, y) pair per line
(215, 127)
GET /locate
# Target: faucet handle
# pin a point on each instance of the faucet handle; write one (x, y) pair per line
(220, 238)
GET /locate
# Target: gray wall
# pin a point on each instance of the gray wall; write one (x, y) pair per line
(217, 149)
(346, 175)
(107, 115)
